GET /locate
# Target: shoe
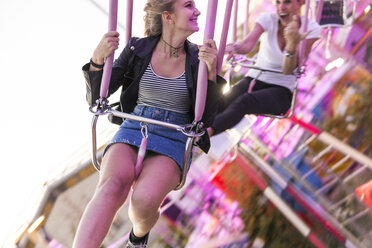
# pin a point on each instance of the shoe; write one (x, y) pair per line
(131, 245)
(141, 245)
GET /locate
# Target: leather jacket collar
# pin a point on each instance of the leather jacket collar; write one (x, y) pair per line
(144, 47)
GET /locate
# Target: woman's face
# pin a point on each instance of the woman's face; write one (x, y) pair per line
(185, 16)
(286, 9)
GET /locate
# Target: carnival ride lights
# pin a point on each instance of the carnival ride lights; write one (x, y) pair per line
(320, 202)
(335, 64)
(36, 224)
(367, 9)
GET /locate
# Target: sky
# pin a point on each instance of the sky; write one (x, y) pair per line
(44, 116)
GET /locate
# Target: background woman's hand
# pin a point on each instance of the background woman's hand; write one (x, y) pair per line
(230, 50)
(292, 33)
(208, 53)
(108, 44)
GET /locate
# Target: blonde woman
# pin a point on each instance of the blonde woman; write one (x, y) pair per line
(158, 75)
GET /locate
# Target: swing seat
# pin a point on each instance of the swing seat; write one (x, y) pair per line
(192, 131)
(250, 64)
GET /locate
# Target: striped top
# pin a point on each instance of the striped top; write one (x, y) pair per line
(162, 92)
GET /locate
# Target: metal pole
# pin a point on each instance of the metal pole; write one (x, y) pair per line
(246, 21)
(225, 31)
(128, 21)
(304, 29)
(319, 10)
(235, 22)
(201, 91)
(112, 23)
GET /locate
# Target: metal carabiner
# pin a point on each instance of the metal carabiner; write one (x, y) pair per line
(144, 131)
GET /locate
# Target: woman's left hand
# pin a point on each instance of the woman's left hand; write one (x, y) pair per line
(208, 53)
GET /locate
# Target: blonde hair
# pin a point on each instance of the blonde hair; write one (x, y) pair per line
(153, 18)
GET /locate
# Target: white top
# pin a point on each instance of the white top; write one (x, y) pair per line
(270, 56)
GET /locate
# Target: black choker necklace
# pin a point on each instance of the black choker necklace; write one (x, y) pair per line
(174, 50)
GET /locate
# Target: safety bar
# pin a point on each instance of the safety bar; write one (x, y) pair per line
(147, 120)
(242, 62)
(251, 66)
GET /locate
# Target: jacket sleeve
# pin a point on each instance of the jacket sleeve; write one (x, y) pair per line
(119, 73)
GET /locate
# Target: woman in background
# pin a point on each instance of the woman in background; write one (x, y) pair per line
(279, 49)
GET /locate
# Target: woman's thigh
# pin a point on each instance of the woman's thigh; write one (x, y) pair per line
(272, 100)
(118, 164)
(159, 176)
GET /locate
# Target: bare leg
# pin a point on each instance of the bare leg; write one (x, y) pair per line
(116, 178)
(159, 176)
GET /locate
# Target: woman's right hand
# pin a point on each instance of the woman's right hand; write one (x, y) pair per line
(108, 44)
(231, 50)
(292, 34)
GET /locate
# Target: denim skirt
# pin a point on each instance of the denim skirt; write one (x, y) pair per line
(161, 140)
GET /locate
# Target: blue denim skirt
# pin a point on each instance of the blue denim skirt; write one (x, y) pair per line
(161, 140)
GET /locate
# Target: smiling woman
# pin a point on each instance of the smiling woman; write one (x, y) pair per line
(37, 143)
(268, 93)
(159, 82)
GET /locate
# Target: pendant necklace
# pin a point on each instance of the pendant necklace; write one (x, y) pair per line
(174, 50)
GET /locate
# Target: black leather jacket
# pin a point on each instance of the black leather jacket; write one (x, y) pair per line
(129, 68)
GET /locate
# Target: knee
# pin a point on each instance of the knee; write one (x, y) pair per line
(143, 205)
(115, 188)
(280, 108)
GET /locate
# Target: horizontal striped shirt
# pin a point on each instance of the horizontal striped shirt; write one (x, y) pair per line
(162, 92)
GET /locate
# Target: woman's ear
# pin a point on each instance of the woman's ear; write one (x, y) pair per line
(167, 17)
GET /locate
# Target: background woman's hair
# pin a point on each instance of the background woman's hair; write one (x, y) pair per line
(154, 9)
